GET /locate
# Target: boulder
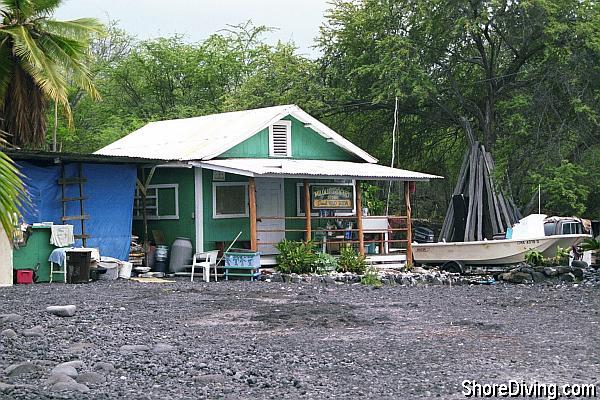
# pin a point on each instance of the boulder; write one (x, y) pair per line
(538, 277)
(104, 366)
(21, 368)
(578, 272)
(569, 277)
(62, 311)
(36, 331)
(9, 333)
(55, 378)
(133, 348)
(550, 271)
(91, 378)
(163, 348)
(70, 387)
(563, 269)
(64, 370)
(77, 364)
(7, 318)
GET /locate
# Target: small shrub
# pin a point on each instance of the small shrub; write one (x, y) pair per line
(371, 278)
(295, 257)
(324, 263)
(534, 257)
(351, 261)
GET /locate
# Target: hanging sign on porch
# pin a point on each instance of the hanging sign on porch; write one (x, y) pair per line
(332, 197)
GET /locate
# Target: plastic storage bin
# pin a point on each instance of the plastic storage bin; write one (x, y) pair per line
(24, 276)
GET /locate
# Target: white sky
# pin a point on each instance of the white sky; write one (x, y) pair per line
(297, 20)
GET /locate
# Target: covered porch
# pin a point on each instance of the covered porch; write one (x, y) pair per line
(321, 201)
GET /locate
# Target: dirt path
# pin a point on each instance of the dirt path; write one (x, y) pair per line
(280, 341)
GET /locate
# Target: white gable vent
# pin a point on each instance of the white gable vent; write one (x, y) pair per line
(280, 139)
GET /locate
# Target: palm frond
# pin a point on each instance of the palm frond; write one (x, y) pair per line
(43, 71)
(81, 29)
(12, 192)
(71, 55)
(22, 8)
(45, 6)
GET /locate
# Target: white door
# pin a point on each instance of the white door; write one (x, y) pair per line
(269, 203)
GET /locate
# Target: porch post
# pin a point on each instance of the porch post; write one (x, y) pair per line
(409, 255)
(359, 222)
(307, 211)
(252, 200)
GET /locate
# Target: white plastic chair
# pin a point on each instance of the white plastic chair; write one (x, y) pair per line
(205, 261)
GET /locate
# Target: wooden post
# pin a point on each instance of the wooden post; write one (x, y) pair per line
(307, 211)
(409, 255)
(252, 198)
(359, 222)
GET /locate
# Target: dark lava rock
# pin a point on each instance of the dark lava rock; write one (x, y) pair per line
(578, 272)
(538, 277)
(70, 387)
(567, 277)
(550, 271)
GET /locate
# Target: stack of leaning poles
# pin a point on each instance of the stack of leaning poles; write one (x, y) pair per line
(478, 209)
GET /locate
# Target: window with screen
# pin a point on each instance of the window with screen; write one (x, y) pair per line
(230, 199)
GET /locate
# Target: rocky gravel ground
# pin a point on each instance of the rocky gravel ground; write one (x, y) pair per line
(268, 340)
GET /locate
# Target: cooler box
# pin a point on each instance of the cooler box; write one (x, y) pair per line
(244, 264)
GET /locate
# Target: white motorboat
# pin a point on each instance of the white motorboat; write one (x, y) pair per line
(534, 232)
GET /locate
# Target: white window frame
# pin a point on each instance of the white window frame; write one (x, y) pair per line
(288, 125)
(137, 211)
(300, 213)
(214, 200)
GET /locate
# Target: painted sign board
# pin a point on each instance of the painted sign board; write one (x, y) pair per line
(332, 197)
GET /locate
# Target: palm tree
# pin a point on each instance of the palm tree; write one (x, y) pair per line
(39, 57)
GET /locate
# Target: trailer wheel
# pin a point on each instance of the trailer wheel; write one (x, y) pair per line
(454, 267)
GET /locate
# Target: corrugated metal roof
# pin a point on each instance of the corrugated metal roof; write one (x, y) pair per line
(206, 137)
(58, 157)
(268, 167)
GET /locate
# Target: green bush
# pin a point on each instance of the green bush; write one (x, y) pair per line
(351, 261)
(534, 257)
(371, 278)
(295, 257)
(324, 263)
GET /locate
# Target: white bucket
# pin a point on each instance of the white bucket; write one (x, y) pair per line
(112, 271)
(125, 270)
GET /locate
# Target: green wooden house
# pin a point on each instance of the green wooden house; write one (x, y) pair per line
(248, 171)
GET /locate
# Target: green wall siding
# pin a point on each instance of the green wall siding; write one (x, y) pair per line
(174, 228)
(306, 145)
(221, 229)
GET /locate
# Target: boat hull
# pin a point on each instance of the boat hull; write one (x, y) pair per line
(491, 252)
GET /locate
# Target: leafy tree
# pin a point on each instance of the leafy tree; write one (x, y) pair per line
(39, 56)
(168, 78)
(564, 190)
(524, 74)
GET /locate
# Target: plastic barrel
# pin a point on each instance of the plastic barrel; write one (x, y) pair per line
(181, 254)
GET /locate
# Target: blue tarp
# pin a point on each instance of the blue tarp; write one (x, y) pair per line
(109, 189)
